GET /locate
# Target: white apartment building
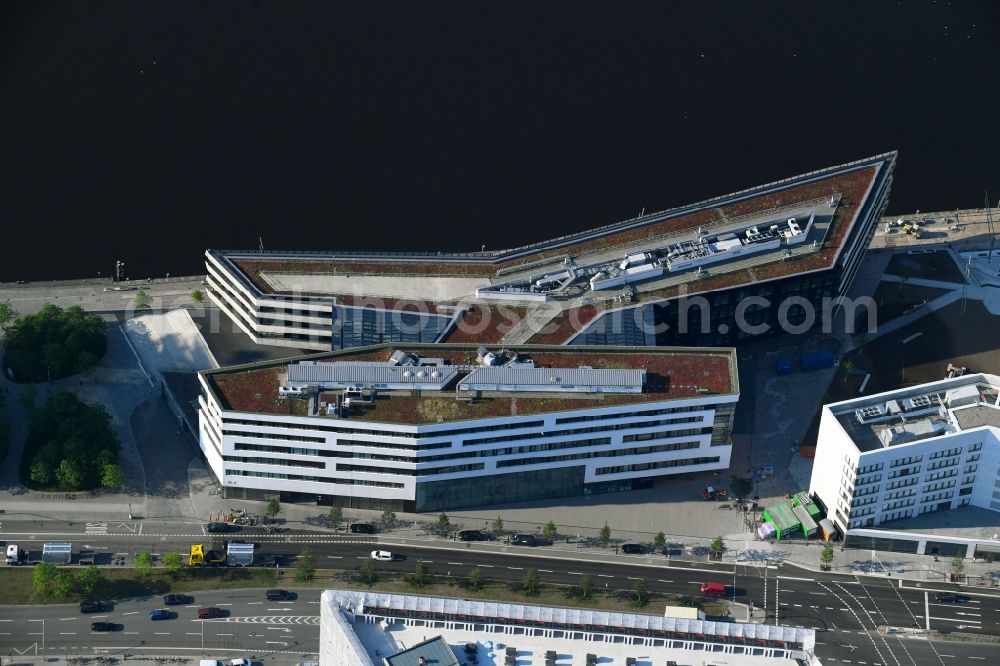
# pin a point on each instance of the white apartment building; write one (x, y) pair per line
(909, 452)
(382, 629)
(434, 427)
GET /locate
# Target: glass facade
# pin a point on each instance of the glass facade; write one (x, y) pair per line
(500, 488)
(357, 327)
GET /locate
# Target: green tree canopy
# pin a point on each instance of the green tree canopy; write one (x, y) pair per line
(197, 296)
(70, 444)
(586, 587)
(54, 343)
(530, 585)
(88, 580)
(475, 579)
(174, 563)
(142, 300)
(388, 520)
(604, 536)
(336, 516)
(660, 540)
(144, 563)
(43, 577)
(639, 595)
(305, 567)
(443, 525)
(421, 574)
(717, 547)
(367, 573)
(8, 315)
(112, 476)
(498, 525)
(273, 508)
(550, 530)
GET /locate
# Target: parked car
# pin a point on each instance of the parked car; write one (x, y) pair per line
(160, 614)
(102, 626)
(381, 555)
(209, 613)
(633, 549)
(362, 528)
(280, 595)
(270, 561)
(94, 606)
(472, 535)
(177, 599)
(524, 540)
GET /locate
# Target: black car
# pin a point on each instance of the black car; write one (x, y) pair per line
(177, 599)
(524, 540)
(472, 535)
(633, 549)
(362, 528)
(220, 528)
(280, 595)
(950, 598)
(94, 606)
(102, 626)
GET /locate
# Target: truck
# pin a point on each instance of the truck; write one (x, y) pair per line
(57, 553)
(239, 554)
(16, 555)
(196, 557)
(815, 360)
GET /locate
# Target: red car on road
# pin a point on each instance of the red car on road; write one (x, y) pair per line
(209, 613)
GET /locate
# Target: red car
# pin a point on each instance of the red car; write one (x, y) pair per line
(208, 613)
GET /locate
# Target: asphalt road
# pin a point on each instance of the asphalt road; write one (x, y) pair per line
(845, 610)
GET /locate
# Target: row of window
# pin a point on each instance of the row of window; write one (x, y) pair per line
(449, 469)
(640, 467)
(594, 429)
(284, 462)
(643, 450)
(384, 433)
(317, 479)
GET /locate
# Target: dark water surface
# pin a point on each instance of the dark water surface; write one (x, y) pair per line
(149, 131)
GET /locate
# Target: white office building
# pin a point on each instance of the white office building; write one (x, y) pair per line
(382, 629)
(906, 453)
(434, 427)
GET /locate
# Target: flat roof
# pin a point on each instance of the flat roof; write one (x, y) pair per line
(431, 652)
(427, 281)
(927, 408)
(671, 373)
(545, 630)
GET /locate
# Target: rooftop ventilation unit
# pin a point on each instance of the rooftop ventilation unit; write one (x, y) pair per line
(917, 402)
(869, 413)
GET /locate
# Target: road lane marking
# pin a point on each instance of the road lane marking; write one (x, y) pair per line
(659, 580)
(131, 632)
(486, 566)
(516, 568)
(574, 573)
(457, 564)
(162, 633)
(223, 604)
(632, 577)
(254, 603)
(67, 633)
(193, 633)
(223, 634)
(605, 575)
(67, 618)
(128, 613)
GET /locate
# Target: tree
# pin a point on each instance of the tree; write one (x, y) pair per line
(388, 520)
(43, 577)
(88, 580)
(660, 540)
(498, 525)
(144, 563)
(367, 573)
(273, 508)
(29, 394)
(112, 476)
(475, 579)
(639, 595)
(586, 587)
(421, 574)
(8, 315)
(305, 568)
(174, 563)
(48, 344)
(197, 296)
(604, 536)
(957, 567)
(69, 475)
(443, 525)
(39, 473)
(530, 584)
(550, 530)
(62, 584)
(335, 517)
(717, 547)
(826, 557)
(142, 300)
